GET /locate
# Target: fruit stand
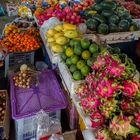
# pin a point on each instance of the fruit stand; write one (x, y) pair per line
(88, 66)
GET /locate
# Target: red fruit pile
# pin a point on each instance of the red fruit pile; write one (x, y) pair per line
(83, 6)
(66, 15)
(132, 7)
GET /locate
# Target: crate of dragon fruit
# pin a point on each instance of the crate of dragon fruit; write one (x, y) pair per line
(26, 102)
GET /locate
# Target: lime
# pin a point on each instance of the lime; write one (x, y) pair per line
(93, 48)
(69, 52)
(73, 68)
(68, 62)
(63, 56)
(77, 43)
(77, 50)
(86, 54)
(74, 59)
(72, 42)
(66, 46)
(85, 43)
(95, 55)
(90, 61)
(80, 64)
(77, 75)
(85, 70)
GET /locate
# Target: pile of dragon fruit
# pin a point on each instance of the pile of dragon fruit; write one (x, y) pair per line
(111, 97)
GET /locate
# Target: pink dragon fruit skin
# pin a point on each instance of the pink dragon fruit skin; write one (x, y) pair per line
(103, 134)
(115, 70)
(135, 137)
(99, 63)
(130, 88)
(121, 126)
(97, 119)
(137, 120)
(130, 106)
(107, 88)
(90, 104)
(108, 107)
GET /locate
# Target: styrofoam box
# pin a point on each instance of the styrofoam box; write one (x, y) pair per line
(25, 128)
(54, 57)
(14, 59)
(65, 74)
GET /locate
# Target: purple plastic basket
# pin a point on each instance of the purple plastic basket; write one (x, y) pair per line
(47, 96)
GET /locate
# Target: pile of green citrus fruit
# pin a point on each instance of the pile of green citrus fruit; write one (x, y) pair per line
(79, 55)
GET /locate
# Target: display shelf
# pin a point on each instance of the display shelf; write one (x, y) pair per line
(54, 57)
(116, 37)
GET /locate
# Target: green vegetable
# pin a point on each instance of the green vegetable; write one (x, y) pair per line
(97, 7)
(123, 25)
(99, 18)
(98, 1)
(113, 28)
(107, 13)
(103, 29)
(92, 24)
(114, 19)
(108, 5)
(120, 11)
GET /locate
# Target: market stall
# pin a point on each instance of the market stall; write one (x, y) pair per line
(71, 67)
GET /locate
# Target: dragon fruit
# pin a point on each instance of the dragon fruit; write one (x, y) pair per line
(116, 70)
(99, 63)
(135, 137)
(90, 103)
(130, 88)
(109, 107)
(130, 106)
(121, 126)
(111, 97)
(97, 119)
(107, 88)
(83, 91)
(137, 120)
(103, 134)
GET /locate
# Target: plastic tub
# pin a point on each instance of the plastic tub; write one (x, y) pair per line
(25, 128)
(47, 96)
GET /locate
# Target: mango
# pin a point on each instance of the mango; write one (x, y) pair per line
(51, 32)
(71, 34)
(59, 27)
(58, 35)
(68, 26)
(57, 48)
(61, 40)
(50, 39)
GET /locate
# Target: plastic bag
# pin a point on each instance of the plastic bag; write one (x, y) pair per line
(48, 24)
(56, 137)
(47, 126)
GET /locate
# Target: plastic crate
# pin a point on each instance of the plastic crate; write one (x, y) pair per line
(5, 125)
(66, 76)
(25, 128)
(14, 59)
(47, 96)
